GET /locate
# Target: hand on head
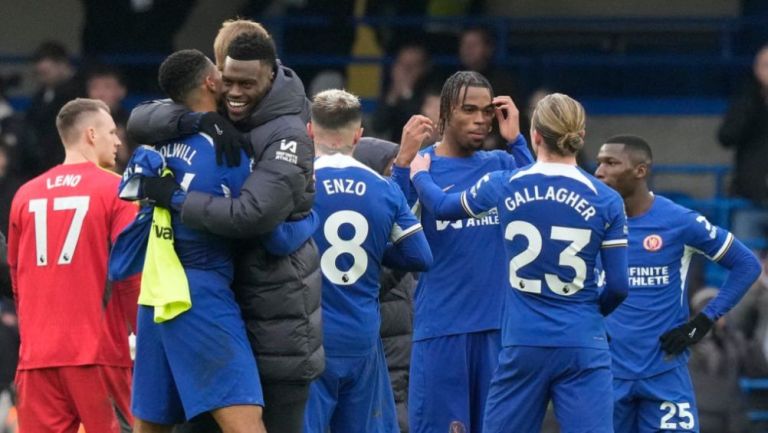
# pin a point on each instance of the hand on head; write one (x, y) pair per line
(508, 117)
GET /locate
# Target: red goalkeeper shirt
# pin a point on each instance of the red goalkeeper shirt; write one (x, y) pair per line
(62, 224)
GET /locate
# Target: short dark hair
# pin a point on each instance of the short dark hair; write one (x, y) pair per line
(253, 46)
(452, 88)
(182, 72)
(51, 50)
(634, 144)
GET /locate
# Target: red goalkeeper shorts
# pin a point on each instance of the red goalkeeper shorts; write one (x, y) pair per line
(60, 399)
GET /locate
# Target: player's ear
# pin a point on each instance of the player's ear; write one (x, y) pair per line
(210, 83)
(535, 141)
(358, 135)
(641, 170)
(90, 134)
(310, 132)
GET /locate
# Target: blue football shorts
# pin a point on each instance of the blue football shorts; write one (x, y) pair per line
(197, 362)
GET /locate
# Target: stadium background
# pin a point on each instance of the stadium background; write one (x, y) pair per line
(658, 68)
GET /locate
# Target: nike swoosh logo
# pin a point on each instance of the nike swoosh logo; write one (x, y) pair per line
(692, 333)
(219, 131)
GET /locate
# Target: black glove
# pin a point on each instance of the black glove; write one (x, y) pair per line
(228, 140)
(159, 190)
(676, 340)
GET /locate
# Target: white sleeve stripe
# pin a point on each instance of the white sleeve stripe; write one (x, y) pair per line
(465, 205)
(615, 243)
(399, 234)
(724, 248)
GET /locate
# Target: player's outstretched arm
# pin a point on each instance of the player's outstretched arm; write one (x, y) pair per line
(411, 253)
(159, 120)
(266, 199)
(290, 235)
(616, 278)
(277, 187)
(443, 206)
(409, 249)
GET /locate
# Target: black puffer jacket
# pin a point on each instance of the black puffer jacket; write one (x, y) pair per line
(396, 298)
(279, 296)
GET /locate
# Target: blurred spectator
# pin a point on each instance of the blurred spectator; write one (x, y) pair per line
(5, 273)
(448, 14)
(536, 96)
(120, 27)
(476, 50)
(715, 365)
(402, 98)
(525, 115)
(12, 133)
(325, 80)
(396, 294)
(9, 183)
(430, 107)
(57, 85)
(745, 129)
(337, 30)
(107, 84)
(392, 36)
(750, 316)
(5, 107)
(753, 32)
(9, 331)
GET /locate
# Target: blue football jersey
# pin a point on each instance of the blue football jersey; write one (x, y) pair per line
(661, 244)
(464, 289)
(554, 219)
(360, 212)
(193, 161)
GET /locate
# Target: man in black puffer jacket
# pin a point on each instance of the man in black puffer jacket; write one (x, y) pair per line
(279, 296)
